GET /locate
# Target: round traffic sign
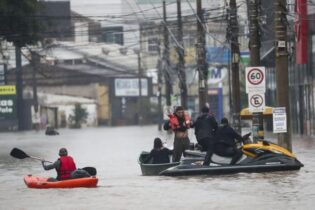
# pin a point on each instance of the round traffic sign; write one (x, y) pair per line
(255, 76)
(256, 100)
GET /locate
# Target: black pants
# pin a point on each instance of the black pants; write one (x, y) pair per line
(180, 145)
(228, 151)
(203, 143)
(208, 145)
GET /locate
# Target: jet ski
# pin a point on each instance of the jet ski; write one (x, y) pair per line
(263, 156)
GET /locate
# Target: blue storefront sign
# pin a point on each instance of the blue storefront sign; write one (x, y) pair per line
(218, 55)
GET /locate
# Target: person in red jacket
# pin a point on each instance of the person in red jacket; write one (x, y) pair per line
(179, 122)
(64, 166)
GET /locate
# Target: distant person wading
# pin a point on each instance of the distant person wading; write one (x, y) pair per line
(50, 131)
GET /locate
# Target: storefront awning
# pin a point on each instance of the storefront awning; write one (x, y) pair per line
(245, 113)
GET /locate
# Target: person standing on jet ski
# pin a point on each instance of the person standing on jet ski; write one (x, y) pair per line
(205, 130)
(226, 144)
(179, 122)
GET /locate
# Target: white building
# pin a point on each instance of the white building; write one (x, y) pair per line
(61, 107)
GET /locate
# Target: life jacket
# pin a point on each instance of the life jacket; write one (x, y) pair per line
(67, 165)
(174, 123)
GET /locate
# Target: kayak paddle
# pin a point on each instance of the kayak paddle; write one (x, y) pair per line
(20, 154)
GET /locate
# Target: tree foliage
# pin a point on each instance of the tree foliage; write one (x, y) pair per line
(79, 116)
(19, 22)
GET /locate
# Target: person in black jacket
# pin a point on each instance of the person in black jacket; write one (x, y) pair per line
(227, 139)
(158, 154)
(205, 129)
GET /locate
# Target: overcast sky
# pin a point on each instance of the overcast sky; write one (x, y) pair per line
(96, 7)
(82, 2)
(78, 2)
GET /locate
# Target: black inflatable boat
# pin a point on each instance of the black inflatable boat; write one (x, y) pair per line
(149, 169)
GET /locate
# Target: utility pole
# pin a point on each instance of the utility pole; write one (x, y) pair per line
(19, 87)
(254, 47)
(235, 52)
(5, 72)
(140, 88)
(159, 92)
(254, 38)
(282, 76)
(202, 66)
(166, 60)
(181, 57)
(5, 58)
(35, 61)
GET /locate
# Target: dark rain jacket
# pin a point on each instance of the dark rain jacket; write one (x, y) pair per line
(205, 126)
(228, 135)
(159, 156)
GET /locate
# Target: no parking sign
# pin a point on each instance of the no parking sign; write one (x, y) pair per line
(255, 79)
(256, 102)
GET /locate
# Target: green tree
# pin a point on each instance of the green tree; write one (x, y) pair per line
(20, 25)
(79, 116)
(18, 22)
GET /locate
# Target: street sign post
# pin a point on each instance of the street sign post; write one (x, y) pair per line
(255, 80)
(255, 88)
(256, 102)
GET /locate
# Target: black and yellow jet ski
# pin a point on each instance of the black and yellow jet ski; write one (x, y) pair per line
(263, 156)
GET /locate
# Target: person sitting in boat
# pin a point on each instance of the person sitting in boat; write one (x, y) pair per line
(64, 166)
(227, 139)
(50, 131)
(158, 154)
(179, 122)
(205, 129)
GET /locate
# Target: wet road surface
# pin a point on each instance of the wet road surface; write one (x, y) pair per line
(114, 152)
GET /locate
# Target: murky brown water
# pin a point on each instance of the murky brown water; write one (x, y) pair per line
(114, 152)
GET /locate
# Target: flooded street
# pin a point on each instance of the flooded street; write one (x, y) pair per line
(114, 152)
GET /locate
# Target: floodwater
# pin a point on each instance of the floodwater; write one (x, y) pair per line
(114, 152)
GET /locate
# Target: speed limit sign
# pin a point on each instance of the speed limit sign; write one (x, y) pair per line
(255, 79)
